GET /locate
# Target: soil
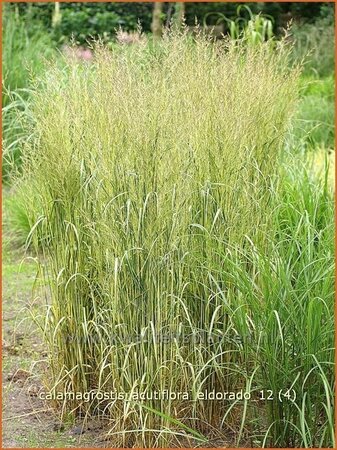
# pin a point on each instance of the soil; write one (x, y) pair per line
(28, 421)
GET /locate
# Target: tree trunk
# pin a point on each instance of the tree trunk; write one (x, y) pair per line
(56, 19)
(179, 14)
(156, 25)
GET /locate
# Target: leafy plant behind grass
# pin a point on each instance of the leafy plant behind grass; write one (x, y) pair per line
(316, 44)
(255, 29)
(314, 124)
(315, 121)
(15, 218)
(26, 46)
(163, 222)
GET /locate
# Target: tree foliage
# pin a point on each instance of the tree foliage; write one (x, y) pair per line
(82, 21)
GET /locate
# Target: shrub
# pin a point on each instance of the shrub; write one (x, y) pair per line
(164, 224)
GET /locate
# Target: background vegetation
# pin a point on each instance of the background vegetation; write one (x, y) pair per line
(87, 20)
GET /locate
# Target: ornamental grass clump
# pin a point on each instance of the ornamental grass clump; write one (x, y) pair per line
(154, 168)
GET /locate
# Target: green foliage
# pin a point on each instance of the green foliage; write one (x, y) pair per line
(281, 12)
(254, 29)
(315, 121)
(81, 24)
(86, 21)
(16, 218)
(310, 12)
(83, 21)
(315, 43)
(26, 46)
